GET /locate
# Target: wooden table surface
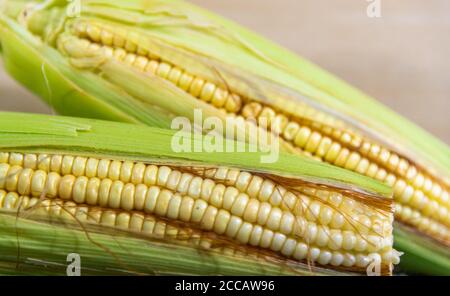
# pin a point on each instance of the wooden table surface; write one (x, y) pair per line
(402, 58)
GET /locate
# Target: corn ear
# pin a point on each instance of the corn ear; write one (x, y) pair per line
(156, 60)
(80, 181)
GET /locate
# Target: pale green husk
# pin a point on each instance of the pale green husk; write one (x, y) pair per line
(421, 255)
(41, 248)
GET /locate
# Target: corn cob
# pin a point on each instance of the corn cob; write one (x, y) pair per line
(227, 72)
(333, 219)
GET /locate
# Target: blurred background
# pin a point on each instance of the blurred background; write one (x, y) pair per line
(401, 58)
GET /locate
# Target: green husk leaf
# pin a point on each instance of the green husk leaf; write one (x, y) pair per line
(421, 255)
(41, 248)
